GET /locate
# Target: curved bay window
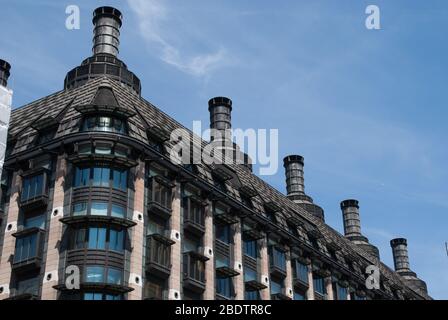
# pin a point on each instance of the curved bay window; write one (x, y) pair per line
(101, 176)
(98, 238)
(99, 208)
(104, 123)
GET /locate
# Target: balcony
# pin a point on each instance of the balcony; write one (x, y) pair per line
(253, 281)
(158, 259)
(194, 217)
(280, 296)
(194, 271)
(34, 193)
(28, 251)
(160, 197)
(33, 203)
(277, 259)
(92, 219)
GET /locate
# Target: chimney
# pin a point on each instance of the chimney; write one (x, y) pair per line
(400, 253)
(350, 213)
(106, 33)
(402, 267)
(295, 185)
(220, 109)
(352, 227)
(5, 67)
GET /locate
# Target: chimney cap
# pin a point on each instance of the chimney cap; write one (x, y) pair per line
(350, 203)
(4, 65)
(398, 241)
(106, 11)
(219, 101)
(292, 159)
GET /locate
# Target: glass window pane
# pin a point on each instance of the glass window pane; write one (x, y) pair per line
(80, 209)
(94, 274)
(80, 238)
(116, 240)
(120, 179)
(97, 238)
(118, 211)
(101, 176)
(114, 276)
(99, 209)
(37, 222)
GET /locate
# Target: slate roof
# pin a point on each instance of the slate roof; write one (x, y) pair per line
(60, 107)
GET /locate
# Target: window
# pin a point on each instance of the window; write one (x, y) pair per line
(277, 258)
(161, 191)
(94, 274)
(250, 274)
(190, 245)
(299, 296)
(340, 292)
(154, 288)
(101, 176)
(97, 238)
(80, 209)
(35, 222)
(156, 226)
(99, 209)
(300, 271)
(224, 287)
(193, 210)
(221, 260)
(251, 248)
(104, 123)
(79, 239)
(222, 233)
(252, 295)
(82, 177)
(114, 276)
(101, 296)
(28, 285)
(116, 240)
(276, 286)
(26, 248)
(117, 211)
(120, 179)
(319, 285)
(32, 187)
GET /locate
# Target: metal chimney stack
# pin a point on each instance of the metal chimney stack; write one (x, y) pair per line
(5, 67)
(295, 185)
(402, 266)
(352, 227)
(106, 33)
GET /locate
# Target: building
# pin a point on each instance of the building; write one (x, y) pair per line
(88, 184)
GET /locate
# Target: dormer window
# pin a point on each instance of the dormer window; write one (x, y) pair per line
(104, 123)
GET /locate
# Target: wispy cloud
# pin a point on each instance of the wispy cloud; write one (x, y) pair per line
(152, 15)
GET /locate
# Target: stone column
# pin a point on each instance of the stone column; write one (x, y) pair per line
(209, 293)
(9, 242)
(310, 291)
(174, 282)
(329, 288)
(238, 262)
(55, 232)
(264, 268)
(137, 235)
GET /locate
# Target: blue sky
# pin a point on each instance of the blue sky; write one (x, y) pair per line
(366, 108)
